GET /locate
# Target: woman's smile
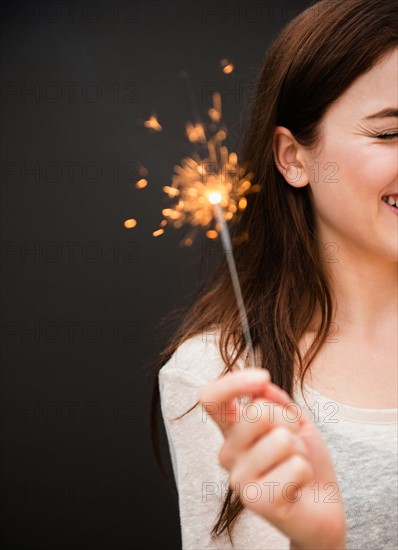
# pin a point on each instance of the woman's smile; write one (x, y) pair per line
(391, 201)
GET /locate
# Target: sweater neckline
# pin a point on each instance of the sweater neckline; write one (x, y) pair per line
(348, 412)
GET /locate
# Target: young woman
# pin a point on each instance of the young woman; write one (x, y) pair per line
(318, 468)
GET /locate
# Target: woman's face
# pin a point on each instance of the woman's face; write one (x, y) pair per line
(355, 168)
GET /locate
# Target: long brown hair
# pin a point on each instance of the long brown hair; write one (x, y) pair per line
(314, 59)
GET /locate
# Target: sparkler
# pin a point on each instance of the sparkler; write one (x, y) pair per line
(210, 189)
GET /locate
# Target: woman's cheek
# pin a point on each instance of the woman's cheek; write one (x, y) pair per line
(383, 164)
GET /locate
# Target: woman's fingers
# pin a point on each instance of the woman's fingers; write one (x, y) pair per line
(219, 398)
(267, 453)
(280, 488)
(275, 455)
(257, 419)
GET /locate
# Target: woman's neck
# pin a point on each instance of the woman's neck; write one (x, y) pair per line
(366, 296)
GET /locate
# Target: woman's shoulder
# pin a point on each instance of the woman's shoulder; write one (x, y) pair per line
(196, 358)
(196, 362)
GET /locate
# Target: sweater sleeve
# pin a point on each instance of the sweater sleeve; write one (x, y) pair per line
(194, 444)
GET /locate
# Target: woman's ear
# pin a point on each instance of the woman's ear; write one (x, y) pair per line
(289, 158)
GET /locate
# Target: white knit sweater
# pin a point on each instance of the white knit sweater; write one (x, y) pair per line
(362, 443)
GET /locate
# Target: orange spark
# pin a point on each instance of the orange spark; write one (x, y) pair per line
(140, 184)
(227, 66)
(129, 224)
(153, 124)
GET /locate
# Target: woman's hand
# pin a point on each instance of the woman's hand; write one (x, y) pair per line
(278, 463)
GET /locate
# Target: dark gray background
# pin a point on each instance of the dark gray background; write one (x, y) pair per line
(83, 300)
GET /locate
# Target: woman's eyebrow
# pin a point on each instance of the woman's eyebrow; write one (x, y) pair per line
(384, 113)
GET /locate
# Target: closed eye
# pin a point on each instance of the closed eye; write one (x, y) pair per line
(387, 136)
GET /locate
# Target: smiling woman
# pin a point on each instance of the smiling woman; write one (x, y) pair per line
(351, 211)
(319, 281)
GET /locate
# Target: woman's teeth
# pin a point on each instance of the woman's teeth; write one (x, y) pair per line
(391, 201)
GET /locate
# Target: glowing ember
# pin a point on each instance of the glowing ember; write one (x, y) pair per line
(129, 224)
(195, 133)
(215, 112)
(140, 184)
(227, 66)
(153, 124)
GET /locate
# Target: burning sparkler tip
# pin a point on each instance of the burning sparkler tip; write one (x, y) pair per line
(215, 198)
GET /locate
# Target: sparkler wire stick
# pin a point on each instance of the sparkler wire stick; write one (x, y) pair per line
(226, 239)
